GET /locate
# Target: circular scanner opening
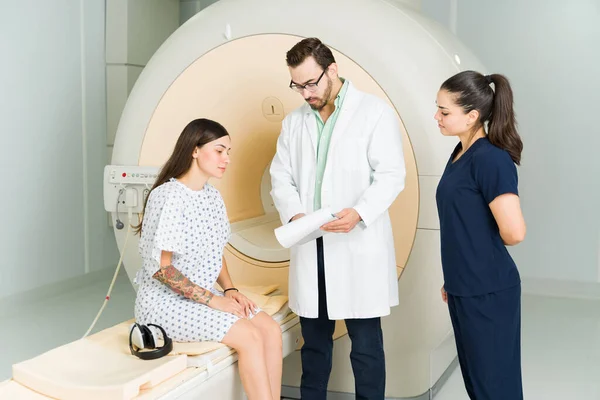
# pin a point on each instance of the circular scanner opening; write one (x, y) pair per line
(243, 84)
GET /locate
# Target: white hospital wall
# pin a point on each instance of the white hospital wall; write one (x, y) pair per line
(135, 29)
(189, 8)
(53, 124)
(551, 52)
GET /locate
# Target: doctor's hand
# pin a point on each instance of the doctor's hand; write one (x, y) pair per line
(248, 306)
(295, 217)
(347, 220)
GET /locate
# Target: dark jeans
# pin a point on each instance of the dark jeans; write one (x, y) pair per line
(367, 357)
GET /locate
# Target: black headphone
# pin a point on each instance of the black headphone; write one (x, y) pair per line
(146, 339)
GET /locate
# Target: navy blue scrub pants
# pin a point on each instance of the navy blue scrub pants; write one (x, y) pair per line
(487, 329)
(366, 356)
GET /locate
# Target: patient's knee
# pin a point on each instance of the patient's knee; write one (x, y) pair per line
(272, 332)
(244, 337)
(252, 338)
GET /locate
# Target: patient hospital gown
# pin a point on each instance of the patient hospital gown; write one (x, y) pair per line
(194, 226)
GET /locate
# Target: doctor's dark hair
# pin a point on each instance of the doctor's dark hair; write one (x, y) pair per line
(196, 134)
(310, 47)
(473, 91)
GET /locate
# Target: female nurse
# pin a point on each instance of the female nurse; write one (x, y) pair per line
(480, 214)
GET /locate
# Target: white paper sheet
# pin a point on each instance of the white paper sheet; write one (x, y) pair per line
(304, 229)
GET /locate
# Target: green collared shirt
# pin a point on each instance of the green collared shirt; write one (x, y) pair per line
(324, 131)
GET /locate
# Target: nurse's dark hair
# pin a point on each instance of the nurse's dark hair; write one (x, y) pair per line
(473, 91)
(309, 47)
(196, 134)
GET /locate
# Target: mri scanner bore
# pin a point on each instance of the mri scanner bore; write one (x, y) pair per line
(241, 80)
(253, 253)
(253, 146)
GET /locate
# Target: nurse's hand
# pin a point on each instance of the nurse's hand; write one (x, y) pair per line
(347, 220)
(444, 295)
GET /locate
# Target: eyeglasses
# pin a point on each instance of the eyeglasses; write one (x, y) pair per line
(311, 87)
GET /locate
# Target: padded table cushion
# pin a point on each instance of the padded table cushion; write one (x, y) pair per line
(101, 366)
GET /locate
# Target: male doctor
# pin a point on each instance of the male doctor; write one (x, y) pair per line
(341, 150)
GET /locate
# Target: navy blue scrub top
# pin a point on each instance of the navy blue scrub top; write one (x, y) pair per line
(475, 260)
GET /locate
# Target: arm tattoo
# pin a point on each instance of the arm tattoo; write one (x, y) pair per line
(170, 276)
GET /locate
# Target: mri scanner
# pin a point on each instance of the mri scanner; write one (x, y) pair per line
(227, 63)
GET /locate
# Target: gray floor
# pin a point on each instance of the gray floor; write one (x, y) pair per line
(27, 330)
(561, 337)
(560, 351)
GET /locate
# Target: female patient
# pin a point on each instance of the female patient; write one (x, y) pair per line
(480, 213)
(183, 233)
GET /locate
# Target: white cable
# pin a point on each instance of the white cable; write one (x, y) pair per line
(129, 214)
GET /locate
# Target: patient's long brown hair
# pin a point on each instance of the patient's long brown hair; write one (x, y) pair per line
(196, 134)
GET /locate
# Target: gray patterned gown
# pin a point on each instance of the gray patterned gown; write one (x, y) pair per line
(194, 226)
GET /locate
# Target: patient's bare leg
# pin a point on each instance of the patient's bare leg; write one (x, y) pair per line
(271, 335)
(246, 339)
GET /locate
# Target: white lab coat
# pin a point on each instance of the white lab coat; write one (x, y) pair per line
(365, 171)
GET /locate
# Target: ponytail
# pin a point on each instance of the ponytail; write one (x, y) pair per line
(502, 127)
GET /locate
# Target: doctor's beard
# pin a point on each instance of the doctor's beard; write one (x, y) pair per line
(321, 101)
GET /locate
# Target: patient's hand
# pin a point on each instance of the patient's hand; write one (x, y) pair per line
(227, 305)
(245, 302)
